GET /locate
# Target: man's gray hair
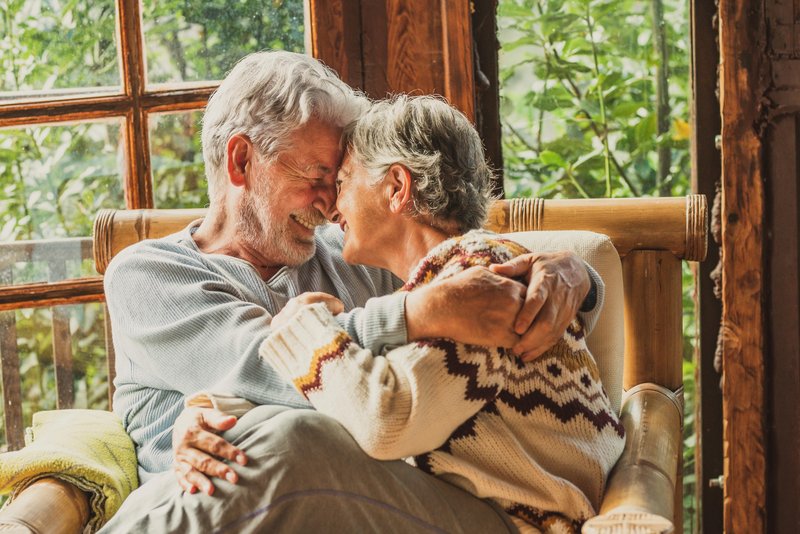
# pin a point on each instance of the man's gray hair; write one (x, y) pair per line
(267, 96)
(441, 149)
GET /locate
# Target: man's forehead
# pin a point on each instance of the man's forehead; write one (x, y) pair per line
(345, 168)
(319, 166)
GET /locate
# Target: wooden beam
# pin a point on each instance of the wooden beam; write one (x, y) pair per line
(375, 48)
(459, 66)
(742, 85)
(168, 98)
(487, 86)
(783, 205)
(335, 31)
(12, 389)
(138, 184)
(62, 343)
(706, 170)
(41, 294)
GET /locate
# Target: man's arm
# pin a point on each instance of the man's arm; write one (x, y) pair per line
(485, 306)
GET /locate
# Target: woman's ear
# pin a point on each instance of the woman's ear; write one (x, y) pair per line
(239, 155)
(399, 183)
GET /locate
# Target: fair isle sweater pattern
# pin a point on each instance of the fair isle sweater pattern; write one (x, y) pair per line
(538, 438)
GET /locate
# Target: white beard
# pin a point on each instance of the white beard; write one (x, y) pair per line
(261, 229)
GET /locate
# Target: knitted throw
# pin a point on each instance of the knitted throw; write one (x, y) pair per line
(538, 438)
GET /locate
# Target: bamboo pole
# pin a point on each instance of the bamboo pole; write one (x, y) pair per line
(675, 224)
(48, 505)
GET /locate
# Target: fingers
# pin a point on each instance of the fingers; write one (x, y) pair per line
(190, 479)
(206, 465)
(549, 326)
(516, 267)
(312, 297)
(536, 296)
(216, 420)
(200, 452)
(211, 443)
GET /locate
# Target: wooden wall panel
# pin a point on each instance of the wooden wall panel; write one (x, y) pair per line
(375, 47)
(414, 47)
(706, 169)
(335, 35)
(457, 48)
(743, 82)
(783, 203)
(392, 46)
(487, 85)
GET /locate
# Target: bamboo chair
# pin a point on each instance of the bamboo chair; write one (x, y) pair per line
(652, 237)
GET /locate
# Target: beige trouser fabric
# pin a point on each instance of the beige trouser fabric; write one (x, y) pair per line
(306, 474)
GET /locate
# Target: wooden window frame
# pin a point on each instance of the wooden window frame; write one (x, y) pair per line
(133, 105)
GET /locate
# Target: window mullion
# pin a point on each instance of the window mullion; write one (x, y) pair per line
(138, 187)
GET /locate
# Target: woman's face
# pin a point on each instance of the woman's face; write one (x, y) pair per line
(363, 212)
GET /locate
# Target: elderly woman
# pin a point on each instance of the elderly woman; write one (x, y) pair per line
(538, 438)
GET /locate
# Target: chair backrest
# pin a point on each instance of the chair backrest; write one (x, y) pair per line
(651, 236)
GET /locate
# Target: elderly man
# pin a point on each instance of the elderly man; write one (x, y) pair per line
(189, 312)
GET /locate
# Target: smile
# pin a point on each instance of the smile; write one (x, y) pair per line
(311, 225)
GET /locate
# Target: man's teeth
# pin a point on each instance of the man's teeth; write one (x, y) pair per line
(305, 222)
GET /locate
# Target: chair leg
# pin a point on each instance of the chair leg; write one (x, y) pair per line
(48, 506)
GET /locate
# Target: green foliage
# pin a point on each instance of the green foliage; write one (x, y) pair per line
(190, 40)
(578, 81)
(52, 44)
(580, 119)
(54, 178)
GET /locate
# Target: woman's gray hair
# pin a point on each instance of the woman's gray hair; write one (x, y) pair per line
(441, 149)
(266, 97)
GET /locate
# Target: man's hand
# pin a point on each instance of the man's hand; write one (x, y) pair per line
(557, 284)
(198, 449)
(475, 306)
(295, 304)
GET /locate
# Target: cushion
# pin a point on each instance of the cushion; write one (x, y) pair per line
(606, 341)
(87, 448)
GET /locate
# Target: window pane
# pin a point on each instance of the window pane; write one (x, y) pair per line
(196, 40)
(53, 180)
(179, 179)
(79, 334)
(579, 87)
(50, 47)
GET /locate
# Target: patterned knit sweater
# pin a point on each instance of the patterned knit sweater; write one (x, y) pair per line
(539, 438)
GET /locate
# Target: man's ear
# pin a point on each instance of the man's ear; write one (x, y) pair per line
(239, 155)
(399, 184)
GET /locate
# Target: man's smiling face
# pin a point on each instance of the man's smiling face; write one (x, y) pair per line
(290, 195)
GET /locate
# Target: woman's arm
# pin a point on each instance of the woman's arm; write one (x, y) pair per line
(406, 402)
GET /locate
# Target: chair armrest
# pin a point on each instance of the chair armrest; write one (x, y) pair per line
(50, 506)
(640, 492)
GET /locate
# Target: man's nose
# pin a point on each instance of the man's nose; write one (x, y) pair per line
(334, 215)
(326, 203)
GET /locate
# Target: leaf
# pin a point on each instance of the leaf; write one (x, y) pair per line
(549, 157)
(512, 10)
(682, 130)
(527, 40)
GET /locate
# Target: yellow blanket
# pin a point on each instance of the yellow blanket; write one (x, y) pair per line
(88, 448)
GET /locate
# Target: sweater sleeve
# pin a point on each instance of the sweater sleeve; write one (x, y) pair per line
(404, 403)
(379, 324)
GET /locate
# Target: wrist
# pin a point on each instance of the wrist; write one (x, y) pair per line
(420, 324)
